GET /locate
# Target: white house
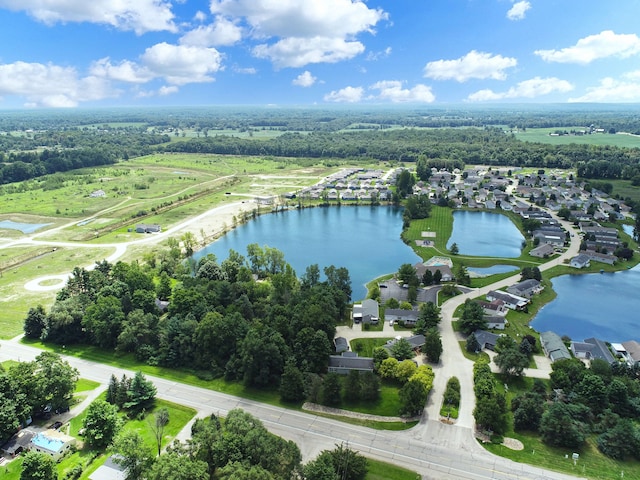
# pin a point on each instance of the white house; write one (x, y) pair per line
(53, 443)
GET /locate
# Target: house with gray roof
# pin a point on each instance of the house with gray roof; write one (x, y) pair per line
(580, 261)
(407, 317)
(527, 288)
(591, 349)
(633, 350)
(342, 345)
(553, 346)
(542, 251)
(366, 312)
(348, 361)
(486, 339)
(496, 322)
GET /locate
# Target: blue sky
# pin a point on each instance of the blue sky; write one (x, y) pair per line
(74, 53)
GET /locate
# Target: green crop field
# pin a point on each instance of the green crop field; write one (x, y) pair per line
(543, 135)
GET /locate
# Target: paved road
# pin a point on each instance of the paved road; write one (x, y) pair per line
(435, 450)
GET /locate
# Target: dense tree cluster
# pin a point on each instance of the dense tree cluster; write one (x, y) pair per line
(472, 317)
(133, 394)
(32, 388)
(491, 406)
(600, 401)
(220, 320)
(238, 446)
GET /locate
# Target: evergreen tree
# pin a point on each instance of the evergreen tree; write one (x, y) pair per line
(291, 383)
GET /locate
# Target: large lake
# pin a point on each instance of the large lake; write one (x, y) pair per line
(365, 240)
(485, 234)
(601, 305)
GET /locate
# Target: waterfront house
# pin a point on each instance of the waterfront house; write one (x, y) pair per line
(553, 346)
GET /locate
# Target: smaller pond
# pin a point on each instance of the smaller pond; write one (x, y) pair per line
(23, 227)
(485, 234)
(486, 271)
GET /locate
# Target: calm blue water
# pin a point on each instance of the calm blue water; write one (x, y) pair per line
(365, 240)
(485, 234)
(23, 227)
(484, 271)
(601, 305)
(628, 229)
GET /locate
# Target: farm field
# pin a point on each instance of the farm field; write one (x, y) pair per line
(542, 135)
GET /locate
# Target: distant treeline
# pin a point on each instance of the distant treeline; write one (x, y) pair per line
(69, 151)
(488, 146)
(622, 118)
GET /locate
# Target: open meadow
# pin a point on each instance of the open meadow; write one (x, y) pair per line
(544, 135)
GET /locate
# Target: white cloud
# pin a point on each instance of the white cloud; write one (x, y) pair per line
(140, 15)
(532, 88)
(245, 70)
(635, 75)
(298, 52)
(299, 32)
(182, 64)
(221, 32)
(125, 71)
(611, 90)
(345, 95)
(602, 45)
(518, 10)
(473, 65)
(392, 90)
(305, 79)
(167, 90)
(51, 85)
(373, 56)
(200, 16)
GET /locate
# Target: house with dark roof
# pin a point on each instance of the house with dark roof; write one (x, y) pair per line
(348, 361)
(18, 443)
(527, 288)
(493, 308)
(342, 345)
(486, 339)
(553, 346)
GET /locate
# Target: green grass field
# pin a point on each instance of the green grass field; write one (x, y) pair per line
(542, 135)
(385, 471)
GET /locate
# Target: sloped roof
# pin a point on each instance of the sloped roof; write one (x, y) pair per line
(554, 346)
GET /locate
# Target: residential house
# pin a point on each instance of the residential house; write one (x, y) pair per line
(341, 344)
(542, 251)
(553, 346)
(18, 443)
(406, 317)
(366, 312)
(53, 443)
(580, 261)
(601, 257)
(494, 308)
(633, 351)
(591, 349)
(416, 341)
(109, 470)
(496, 322)
(527, 288)
(348, 361)
(513, 302)
(487, 340)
